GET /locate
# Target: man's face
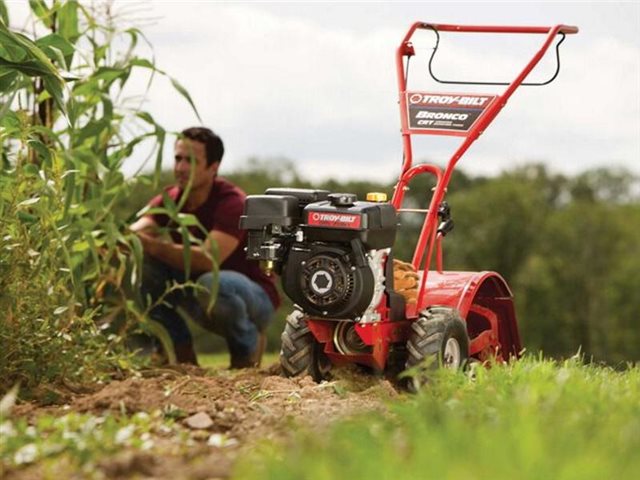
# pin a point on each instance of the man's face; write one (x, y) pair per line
(185, 150)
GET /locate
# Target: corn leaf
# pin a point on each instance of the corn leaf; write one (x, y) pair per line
(186, 250)
(215, 271)
(4, 13)
(158, 330)
(188, 220)
(170, 205)
(182, 91)
(41, 149)
(142, 62)
(57, 49)
(69, 190)
(68, 21)
(34, 62)
(10, 93)
(39, 8)
(55, 89)
(30, 68)
(161, 135)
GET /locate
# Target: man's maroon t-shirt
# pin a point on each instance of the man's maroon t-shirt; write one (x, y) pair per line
(221, 211)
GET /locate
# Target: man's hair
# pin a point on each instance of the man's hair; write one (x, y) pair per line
(212, 142)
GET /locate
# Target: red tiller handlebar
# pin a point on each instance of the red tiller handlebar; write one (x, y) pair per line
(442, 27)
(429, 235)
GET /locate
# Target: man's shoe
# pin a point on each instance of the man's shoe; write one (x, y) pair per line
(241, 362)
(185, 353)
(253, 360)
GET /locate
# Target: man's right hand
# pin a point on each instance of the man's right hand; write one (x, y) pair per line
(145, 225)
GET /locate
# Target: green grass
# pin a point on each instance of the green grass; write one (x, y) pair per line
(535, 419)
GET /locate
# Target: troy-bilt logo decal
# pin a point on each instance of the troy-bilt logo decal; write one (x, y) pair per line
(435, 111)
(335, 220)
(474, 101)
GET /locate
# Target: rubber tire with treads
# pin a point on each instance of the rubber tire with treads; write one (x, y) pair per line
(428, 340)
(300, 353)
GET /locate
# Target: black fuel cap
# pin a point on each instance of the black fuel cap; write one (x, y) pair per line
(342, 199)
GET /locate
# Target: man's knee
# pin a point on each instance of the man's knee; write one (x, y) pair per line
(228, 282)
(204, 291)
(238, 300)
(224, 311)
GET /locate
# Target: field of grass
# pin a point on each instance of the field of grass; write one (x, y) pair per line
(535, 419)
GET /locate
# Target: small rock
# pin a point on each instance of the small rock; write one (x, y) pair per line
(216, 440)
(199, 421)
(219, 440)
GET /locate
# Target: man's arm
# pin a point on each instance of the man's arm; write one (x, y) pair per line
(173, 253)
(226, 244)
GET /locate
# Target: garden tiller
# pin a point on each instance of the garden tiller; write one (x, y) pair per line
(353, 302)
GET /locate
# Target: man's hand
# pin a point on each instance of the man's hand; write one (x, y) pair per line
(226, 244)
(150, 243)
(145, 225)
(173, 253)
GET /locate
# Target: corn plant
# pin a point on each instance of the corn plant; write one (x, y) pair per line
(67, 123)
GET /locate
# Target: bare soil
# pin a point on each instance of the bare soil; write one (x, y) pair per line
(237, 409)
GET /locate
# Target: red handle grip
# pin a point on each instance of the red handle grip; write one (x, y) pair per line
(442, 27)
(567, 29)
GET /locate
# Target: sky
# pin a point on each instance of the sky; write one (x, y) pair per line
(315, 82)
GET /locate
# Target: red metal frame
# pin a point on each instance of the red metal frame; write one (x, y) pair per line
(483, 299)
(428, 236)
(378, 335)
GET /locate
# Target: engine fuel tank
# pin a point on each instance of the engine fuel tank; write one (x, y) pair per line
(342, 218)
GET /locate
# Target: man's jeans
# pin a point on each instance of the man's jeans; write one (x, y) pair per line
(241, 310)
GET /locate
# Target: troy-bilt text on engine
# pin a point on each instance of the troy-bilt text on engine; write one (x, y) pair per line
(343, 220)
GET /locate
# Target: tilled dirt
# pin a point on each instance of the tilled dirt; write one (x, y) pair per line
(223, 412)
